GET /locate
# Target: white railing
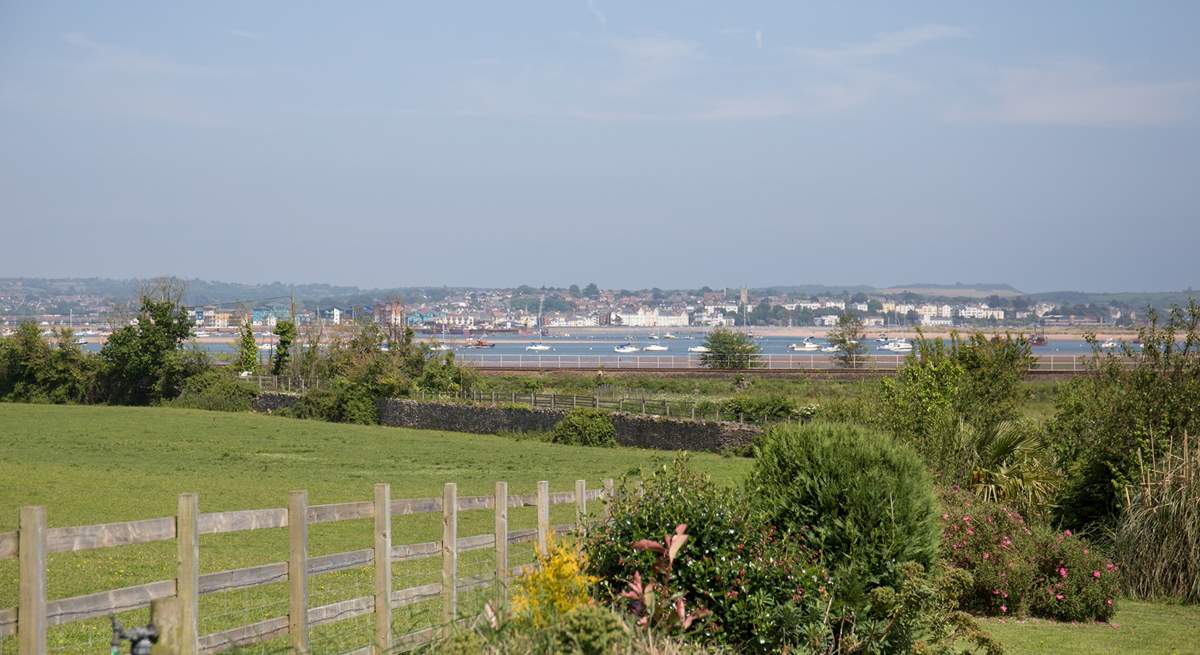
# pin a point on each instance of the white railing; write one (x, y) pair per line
(810, 362)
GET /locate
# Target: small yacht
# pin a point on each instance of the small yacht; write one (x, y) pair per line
(699, 349)
(669, 336)
(538, 347)
(201, 334)
(655, 337)
(441, 347)
(626, 348)
(898, 346)
(654, 348)
(806, 346)
(81, 342)
(831, 349)
(1109, 345)
(883, 338)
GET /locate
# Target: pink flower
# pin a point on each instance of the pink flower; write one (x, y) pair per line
(1062, 570)
(1058, 596)
(995, 592)
(945, 517)
(1003, 609)
(1110, 567)
(1108, 601)
(1096, 574)
(966, 518)
(970, 531)
(986, 556)
(1066, 533)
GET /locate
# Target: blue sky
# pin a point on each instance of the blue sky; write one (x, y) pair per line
(1049, 145)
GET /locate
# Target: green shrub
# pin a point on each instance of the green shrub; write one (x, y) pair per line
(763, 409)
(217, 390)
(589, 630)
(994, 544)
(1073, 581)
(863, 501)
(343, 402)
(756, 585)
(586, 427)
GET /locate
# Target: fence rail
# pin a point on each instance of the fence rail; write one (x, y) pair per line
(177, 601)
(769, 362)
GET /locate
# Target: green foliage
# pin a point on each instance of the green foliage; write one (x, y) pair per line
(216, 390)
(31, 370)
(1133, 407)
(144, 363)
(1073, 581)
(993, 369)
(286, 333)
(585, 427)
(763, 409)
(729, 350)
(247, 356)
(589, 630)
(344, 401)
(850, 340)
(857, 497)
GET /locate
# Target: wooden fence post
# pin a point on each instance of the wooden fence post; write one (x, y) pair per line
(31, 610)
(580, 504)
(298, 571)
(501, 546)
(543, 517)
(609, 496)
(166, 614)
(187, 573)
(383, 568)
(449, 554)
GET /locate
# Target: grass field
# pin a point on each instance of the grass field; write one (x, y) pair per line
(101, 464)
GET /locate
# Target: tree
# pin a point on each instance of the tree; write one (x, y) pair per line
(729, 349)
(143, 362)
(591, 291)
(286, 332)
(574, 291)
(247, 347)
(849, 338)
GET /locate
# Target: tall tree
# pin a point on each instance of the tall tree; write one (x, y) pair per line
(286, 333)
(850, 340)
(144, 361)
(591, 291)
(729, 349)
(247, 347)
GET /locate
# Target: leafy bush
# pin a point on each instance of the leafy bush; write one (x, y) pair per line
(1073, 581)
(995, 546)
(863, 501)
(729, 350)
(586, 427)
(217, 390)
(343, 402)
(763, 409)
(753, 583)
(589, 630)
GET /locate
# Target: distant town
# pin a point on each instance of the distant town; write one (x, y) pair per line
(525, 309)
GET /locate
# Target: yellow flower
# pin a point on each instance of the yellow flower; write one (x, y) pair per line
(556, 584)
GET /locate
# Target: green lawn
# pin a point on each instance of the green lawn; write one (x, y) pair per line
(89, 464)
(1137, 628)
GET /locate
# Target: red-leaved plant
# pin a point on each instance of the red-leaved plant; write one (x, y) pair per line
(652, 601)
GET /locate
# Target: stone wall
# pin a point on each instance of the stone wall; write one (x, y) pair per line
(269, 403)
(641, 431)
(637, 430)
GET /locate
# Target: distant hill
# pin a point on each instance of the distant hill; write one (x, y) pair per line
(957, 290)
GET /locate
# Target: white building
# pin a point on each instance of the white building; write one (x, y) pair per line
(936, 321)
(981, 312)
(651, 318)
(829, 320)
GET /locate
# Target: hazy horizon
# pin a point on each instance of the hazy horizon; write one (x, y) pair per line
(675, 146)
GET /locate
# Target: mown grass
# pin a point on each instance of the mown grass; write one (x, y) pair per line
(90, 464)
(1137, 628)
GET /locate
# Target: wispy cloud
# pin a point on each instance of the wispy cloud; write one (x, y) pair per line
(648, 59)
(245, 34)
(597, 14)
(1082, 94)
(888, 44)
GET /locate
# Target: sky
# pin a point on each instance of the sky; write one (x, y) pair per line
(672, 144)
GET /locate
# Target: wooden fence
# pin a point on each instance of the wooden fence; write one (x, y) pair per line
(175, 604)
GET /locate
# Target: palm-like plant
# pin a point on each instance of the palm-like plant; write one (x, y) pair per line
(1009, 465)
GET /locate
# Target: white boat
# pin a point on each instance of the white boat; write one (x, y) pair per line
(831, 349)
(699, 349)
(883, 338)
(806, 346)
(538, 347)
(440, 347)
(1109, 345)
(201, 335)
(669, 336)
(655, 337)
(264, 346)
(81, 342)
(626, 348)
(654, 348)
(898, 346)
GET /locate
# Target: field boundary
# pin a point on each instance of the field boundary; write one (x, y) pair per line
(176, 603)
